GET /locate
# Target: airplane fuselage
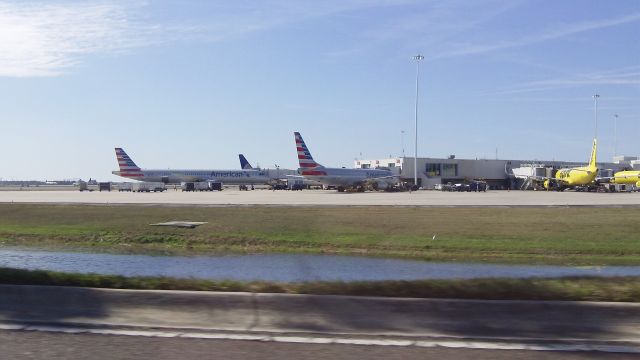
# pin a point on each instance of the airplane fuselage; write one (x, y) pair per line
(347, 177)
(576, 176)
(231, 177)
(626, 177)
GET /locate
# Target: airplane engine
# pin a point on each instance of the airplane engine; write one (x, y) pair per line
(638, 185)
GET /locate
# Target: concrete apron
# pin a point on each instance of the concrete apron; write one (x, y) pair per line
(524, 322)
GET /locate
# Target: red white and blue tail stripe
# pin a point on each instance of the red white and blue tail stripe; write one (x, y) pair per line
(304, 156)
(308, 166)
(127, 167)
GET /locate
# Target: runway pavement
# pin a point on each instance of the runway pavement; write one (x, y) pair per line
(328, 198)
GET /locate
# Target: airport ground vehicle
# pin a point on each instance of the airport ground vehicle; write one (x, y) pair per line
(472, 185)
(148, 186)
(125, 187)
(609, 187)
(295, 183)
(478, 186)
(201, 186)
(83, 186)
(104, 186)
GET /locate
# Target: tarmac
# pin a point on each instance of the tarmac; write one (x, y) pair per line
(234, 197)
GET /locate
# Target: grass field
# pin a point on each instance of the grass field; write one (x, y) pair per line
(534, 235)
(577, 289)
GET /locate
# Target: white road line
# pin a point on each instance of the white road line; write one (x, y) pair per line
(303, 340)
(486, 345)
(12, 327)
(223, 336)
(378, 342)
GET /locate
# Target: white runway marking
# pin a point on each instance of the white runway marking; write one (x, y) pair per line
(486, 345)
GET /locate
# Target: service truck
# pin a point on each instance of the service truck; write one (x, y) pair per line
(147, 186)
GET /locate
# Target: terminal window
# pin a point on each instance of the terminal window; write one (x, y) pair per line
(449, 170)
(433, 169)
(445, 170)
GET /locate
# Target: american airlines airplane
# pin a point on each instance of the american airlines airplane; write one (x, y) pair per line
(129, 170)
(341, 178)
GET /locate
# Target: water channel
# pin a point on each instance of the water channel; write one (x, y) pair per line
(285, 267)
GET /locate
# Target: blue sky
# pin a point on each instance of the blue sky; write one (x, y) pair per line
(190, 84)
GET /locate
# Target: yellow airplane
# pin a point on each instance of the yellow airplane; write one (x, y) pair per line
(629, 177)
(572, 177)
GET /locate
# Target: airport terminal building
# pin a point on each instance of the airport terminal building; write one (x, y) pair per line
(499, 174)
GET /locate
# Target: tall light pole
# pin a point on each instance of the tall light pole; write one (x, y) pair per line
(595, 113)
(402, 141)
(615, 135)
(417, 59)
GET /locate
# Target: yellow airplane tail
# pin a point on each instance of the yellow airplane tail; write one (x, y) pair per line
(592, 160)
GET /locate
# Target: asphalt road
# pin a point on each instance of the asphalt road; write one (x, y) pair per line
(43, 345)
(328, 198)
(324, 314)
(328, 320)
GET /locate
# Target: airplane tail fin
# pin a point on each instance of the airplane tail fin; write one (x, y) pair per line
(304, 156)
(244, 164)
(592, 159)
(127, 166)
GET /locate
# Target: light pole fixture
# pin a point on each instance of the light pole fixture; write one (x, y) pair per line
(417, 59)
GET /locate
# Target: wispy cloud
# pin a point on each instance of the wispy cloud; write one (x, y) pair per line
(232, 19)
(427, 25)
(45, 39)
(629, 76)
(436, 21)
(551, 33)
